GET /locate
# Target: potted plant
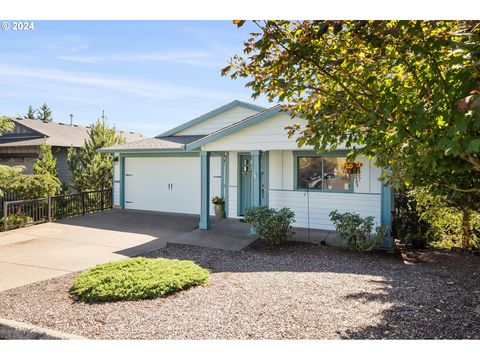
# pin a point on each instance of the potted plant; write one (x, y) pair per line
(219, 203)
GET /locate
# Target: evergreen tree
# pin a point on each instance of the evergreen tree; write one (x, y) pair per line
(30, 113)
(90, 169)
(8, 177)
(45, 113)
(47, 163)
(27, 186)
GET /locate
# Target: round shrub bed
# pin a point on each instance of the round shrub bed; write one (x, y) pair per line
(137, 278)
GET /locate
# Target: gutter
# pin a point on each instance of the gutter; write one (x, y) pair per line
(148, 150)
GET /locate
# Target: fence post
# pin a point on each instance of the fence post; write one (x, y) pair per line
(101, 199)
(5, 215)
(83, 203)
(49, 209)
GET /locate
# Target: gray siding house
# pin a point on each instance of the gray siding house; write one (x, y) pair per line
(22, 145)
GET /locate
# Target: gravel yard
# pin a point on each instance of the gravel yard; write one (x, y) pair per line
(296, 292)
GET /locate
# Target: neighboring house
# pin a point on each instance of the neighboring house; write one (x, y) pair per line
(242, 152)
(22, 145)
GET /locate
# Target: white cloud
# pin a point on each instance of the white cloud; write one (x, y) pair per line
(199, 58)
(132, 86)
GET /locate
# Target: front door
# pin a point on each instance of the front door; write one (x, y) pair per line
(245, 183)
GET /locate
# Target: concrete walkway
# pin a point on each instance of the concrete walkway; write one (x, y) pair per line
(53, 249)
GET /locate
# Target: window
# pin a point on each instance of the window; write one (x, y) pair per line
(322, 173)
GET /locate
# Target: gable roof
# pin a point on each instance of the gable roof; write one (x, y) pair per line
(239, 125)
(56, 134)
(191, 142)
(158, 143)
(211, 114)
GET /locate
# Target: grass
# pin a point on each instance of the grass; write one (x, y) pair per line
(137, 278)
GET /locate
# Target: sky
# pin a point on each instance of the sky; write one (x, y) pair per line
(148, 76)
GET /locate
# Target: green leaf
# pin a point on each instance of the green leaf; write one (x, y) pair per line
(474, 146)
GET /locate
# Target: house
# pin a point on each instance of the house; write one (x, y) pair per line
(22, 145)
(242, 152)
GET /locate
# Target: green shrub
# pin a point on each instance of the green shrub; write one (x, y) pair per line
(356, 232)
(274, 226)
(445, 221)
(407, 225)
(16, 221)
(137, 278)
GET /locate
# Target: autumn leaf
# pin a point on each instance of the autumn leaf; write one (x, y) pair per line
(239, 23)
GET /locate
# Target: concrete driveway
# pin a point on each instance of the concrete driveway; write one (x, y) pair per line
(53, 249)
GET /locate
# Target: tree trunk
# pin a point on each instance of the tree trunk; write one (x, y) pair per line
(466, 235)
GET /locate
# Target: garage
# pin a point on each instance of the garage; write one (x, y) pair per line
(169, 184)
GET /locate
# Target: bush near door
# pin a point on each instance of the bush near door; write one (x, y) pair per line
(274, 226)
(356, 232)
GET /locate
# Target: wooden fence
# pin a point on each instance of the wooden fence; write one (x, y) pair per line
(21, 213)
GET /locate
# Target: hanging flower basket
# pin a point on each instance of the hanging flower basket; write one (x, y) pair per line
(352, 168)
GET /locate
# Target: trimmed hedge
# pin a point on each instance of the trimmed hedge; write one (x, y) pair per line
(137, 278)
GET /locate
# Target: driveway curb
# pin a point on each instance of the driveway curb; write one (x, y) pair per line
(15, 330)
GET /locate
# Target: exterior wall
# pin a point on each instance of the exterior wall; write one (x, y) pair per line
(269, 134)
(311, 208)
(25, 162)
(218, 122)
(64, 174)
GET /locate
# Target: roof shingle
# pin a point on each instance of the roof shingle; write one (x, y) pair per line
(159, 143)
(58, 134)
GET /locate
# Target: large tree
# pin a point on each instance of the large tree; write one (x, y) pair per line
(90, 169)
(404, 92)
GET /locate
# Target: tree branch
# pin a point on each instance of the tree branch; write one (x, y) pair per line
(472, 160)
(359, 105)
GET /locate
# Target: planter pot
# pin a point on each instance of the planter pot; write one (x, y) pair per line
(219, 211)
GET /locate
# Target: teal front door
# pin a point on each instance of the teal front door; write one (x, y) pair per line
(245, 183)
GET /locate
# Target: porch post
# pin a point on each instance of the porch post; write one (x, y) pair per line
(226, 182)
(386, 214)
(205, 191)
(255, 177)
(122, 182)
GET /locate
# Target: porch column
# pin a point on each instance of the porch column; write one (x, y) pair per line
(225, 181)
(122, 182)
(386, 214)
(205, 191)
(256, 201)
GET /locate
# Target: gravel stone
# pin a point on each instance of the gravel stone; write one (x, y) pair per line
(299, 291)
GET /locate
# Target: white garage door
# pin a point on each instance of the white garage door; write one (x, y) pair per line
(170, 184)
